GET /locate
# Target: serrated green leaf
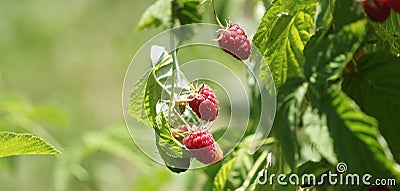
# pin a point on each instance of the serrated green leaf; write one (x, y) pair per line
(281, 37)
(23, 144)
(157, 15)
(222, 176)
(136, 101)
(287, 117)
(326, 58)
(392, 25)
(376, 89)
(389, 34)
(152, 96)
(353, 132)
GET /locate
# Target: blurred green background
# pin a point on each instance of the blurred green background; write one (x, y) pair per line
(62, 66)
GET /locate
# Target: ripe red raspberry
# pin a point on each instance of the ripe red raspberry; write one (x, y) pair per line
(377, 10)
(204, 103)
(233, 41)
(203, 147)
(395, 5)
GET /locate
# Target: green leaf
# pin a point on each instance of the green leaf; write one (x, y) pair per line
(157, 15)
(324, 17)
(244, 163)
(222, 176)
(136, 101)
(312, 167)
(152, 96)
(389, 34)
(166, 141)
(287, 117)
(326, 58)
(186, 11)
(376, 89)
(353, 132)
(392, 25)
(175, 164)
(317, 130)
(345, 12)
(23, 144)
(176, 157)
(281, 37)
(317, 169)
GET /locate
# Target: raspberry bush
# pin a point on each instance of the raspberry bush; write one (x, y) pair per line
(335, 65)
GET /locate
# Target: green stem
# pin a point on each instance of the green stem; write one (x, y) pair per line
(216, 16)
(174, 69)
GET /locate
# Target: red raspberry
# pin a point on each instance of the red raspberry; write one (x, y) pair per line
(203, 147)
(233, 41)
(395, 5)
(204, 104)
(377, 10)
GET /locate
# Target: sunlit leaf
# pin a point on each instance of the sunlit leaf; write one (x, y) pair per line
(23, 144)
(281, 37)
(317, 130)
(223, 174)
(136, 101)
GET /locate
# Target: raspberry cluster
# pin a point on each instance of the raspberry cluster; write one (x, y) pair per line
(203, 147)
(233, 40)
(204, 103)
(379, 10)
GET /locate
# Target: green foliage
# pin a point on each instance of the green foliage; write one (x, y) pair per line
(344, 13)
(281, 37)
(326, 58)
(186, 11)
(157, 15)
(326, 112)
(223, 174)
(290, 98)
(136, 104)
(376, 90)
(164, 12)
(23, 144)
(165, 140)
(352, 132)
